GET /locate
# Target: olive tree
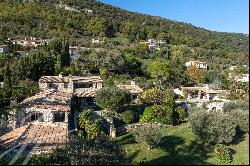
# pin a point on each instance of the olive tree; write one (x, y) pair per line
(212, 127)
(150, 135)
(97, 151)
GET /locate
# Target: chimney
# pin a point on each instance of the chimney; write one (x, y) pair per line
(133, 82)
(61, 75)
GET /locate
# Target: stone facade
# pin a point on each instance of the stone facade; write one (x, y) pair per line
(47, 116)
(70, 84)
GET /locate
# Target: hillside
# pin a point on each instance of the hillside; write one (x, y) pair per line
(43, 18)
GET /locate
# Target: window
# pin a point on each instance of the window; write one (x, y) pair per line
(37, 117)
(66, 85)
(86, 85)
(59, 117)
(52, 86)
(33, 117)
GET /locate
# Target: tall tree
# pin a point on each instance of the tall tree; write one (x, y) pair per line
(65, 57)
(195, 74)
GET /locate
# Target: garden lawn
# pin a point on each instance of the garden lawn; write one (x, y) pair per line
(180, 146)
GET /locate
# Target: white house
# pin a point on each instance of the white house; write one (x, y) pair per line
(198, 64)
(98, 40)
(242, 78)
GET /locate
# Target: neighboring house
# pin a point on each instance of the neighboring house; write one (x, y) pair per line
(242, 78)
(154, 44)
(200, 93)
(88, 11)
(134, 89)
(4, 49)
(31, 42)
(98, 40)
(198, 64)
(66, 7)
(50, 115)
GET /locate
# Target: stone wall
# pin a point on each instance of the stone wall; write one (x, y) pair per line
(217, 106)
(43, 86)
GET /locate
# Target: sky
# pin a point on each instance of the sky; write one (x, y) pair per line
(215, 15)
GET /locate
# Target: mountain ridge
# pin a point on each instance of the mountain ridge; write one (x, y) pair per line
(110, 21)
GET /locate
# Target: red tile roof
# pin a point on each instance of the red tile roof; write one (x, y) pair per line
(10, 138)
(57, 101)
(48, 136)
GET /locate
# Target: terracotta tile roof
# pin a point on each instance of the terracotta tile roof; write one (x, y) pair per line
(66, 79)
(133, 89)
(48, 136)
(88, 93)
(53, 79)
(58, 101)
(10, 138)
(45, 133)
(86, 79)
(54, 107)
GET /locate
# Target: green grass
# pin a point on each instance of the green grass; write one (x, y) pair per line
(180, 146)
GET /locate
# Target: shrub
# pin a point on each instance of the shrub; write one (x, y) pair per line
(149, 135)
(90, 127)
(112, 98)
(212, 127)
(241, 119)
(180, 114)
(97, 151)
(128, 116)
(227, 107)
(152, 96)
(223, 154)
(157, 113)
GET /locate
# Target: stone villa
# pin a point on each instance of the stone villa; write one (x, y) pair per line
(49, 116)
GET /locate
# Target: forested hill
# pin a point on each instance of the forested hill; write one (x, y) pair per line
(46, 18)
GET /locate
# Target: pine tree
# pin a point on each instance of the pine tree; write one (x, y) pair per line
(65, 57)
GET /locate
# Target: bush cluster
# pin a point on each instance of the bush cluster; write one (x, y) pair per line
(223, 154)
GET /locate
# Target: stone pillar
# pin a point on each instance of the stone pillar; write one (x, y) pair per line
(66, 117)
(112, 131)
(208, 97)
